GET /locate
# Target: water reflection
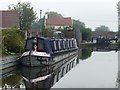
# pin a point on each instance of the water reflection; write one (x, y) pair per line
(37, 77)
(10, 78)
(118, 79)
(44, 77)
(12, 81)
(85, 53)
(105, 49)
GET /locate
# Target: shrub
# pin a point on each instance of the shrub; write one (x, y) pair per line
(13, 40)
(119, 44)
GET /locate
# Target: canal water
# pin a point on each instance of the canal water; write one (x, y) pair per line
(90, 68)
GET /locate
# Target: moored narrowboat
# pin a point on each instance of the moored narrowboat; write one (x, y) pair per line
(40, 51)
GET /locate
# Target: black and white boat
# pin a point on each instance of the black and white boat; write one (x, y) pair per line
(41, 51)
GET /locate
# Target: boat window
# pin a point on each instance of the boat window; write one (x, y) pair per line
(63, 44)
(59, 45)
(72, 44)
(68, 44)
(41, 45)
(55, 47)
(29, 44)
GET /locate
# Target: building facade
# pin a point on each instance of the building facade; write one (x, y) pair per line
(107, 34)
(8, 19)
(58, 23)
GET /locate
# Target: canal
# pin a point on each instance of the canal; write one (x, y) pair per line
(90, 68)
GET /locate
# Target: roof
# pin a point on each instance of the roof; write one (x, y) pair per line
(108, 34)
(9, 18)
(61, 21)
(34, 30)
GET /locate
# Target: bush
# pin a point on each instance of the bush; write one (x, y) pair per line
(119, 44)
(13, 40)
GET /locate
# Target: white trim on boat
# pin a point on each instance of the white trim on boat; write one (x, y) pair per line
(40, 54)
(40, 78)
(37, 79)
(25, 53)
(44, 54)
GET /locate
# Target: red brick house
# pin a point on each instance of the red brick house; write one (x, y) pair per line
(9, 18)
(58, 23)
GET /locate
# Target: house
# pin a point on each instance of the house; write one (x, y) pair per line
(58, 23)
(107, 34)
(110, 35)
(33, 32)
(9, 18)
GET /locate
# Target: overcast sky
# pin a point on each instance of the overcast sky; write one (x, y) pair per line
(92, 12)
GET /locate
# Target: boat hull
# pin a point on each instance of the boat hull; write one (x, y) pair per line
(33, 60)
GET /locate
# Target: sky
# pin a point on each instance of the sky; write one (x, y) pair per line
(92, 12)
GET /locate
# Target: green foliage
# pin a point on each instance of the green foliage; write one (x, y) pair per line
(78, 25)
(102, 28)
(13, 41)
(85, 53)
(38, 24)
(26, 14)
(47, 32)
(119, 44)
(12, 80)
(86, 34)
(119, 32)
(52, 14)
(0, 43)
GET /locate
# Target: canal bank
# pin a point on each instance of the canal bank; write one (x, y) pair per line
(111, 45)
(8, 61)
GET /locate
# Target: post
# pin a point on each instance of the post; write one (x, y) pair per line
(40, 21)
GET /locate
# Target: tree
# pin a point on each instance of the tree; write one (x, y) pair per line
(102, 28)
(39, 24)
(86, 34)
(26, 14)
(52, 14)
(78, 25)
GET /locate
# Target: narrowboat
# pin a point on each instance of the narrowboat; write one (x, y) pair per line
(40, 51)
